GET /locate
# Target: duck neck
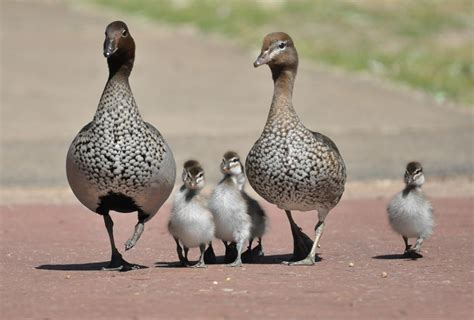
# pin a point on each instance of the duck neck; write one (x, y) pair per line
(123, 106)
(284, 79)
(120, 67)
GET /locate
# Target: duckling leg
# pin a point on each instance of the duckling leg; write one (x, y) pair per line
(414, 251)
(117, 262)
(201, 263)
(230, 252)
(310, 259)
(139, 227)
(249, 248)
(248, 255)
(186, 251)
(179, 250)
(407, 246)
(301, 242)
(209, 255)
(238, 260)
(260, 252)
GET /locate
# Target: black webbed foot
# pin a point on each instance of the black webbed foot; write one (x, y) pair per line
(118, 263)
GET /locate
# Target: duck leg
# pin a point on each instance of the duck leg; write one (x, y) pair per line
(302, 244)
(311, 258)
(139, 227)
(200, 263)
(117, 262)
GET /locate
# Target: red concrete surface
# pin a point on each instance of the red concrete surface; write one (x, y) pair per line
(50, 255)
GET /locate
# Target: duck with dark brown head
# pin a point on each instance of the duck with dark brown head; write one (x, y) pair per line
(118, 161)
(289, 165)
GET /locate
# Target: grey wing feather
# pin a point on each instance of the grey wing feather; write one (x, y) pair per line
(321, 137)
(153, 129)
(85, 128)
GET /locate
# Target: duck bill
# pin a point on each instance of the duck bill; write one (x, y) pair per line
(110, 47)
(263, 58)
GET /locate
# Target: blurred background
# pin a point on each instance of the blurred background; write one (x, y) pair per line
(388, 81)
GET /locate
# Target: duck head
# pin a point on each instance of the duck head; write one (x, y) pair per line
(118, 44)
(278, 51)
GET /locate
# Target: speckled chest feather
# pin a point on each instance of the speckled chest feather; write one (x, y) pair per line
(295, 168)
(118, 152)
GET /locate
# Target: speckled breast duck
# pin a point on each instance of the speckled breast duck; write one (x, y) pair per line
(117, 161)
(289, 165)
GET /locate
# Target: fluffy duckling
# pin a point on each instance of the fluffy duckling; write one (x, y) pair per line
(238, 217)
(410, 213)
(191, 222)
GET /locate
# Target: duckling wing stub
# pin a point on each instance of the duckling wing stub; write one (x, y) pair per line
(326, 140)
(252, 205)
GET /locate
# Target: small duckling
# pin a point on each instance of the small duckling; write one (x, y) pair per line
(409, 212)
(191, 222)
(237, 216)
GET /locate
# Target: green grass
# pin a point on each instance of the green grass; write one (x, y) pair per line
(427, 44)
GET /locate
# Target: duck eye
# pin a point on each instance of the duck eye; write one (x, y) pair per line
(282, 45)
(235, 160)
(124, 33)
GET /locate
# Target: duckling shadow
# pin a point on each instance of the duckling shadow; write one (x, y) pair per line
(170, 264)
(220, 260)
(277, 259)
(89, 266)
(397, 256)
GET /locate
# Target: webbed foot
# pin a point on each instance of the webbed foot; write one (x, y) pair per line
(308, 261)
(236, 263)
(118, 263)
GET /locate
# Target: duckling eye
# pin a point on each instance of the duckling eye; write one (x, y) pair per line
(124, 33)
(282, 45)
(234, 160)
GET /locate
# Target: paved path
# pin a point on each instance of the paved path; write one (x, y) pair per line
(50, 256)
(205, 97)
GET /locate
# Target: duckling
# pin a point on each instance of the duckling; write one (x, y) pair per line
(238, 217)
(191, 222)
(290, 165)
(409, 212)
(232, 166)
(118, 161)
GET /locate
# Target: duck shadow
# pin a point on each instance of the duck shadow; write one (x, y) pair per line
(398, 256)
(88, 266)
